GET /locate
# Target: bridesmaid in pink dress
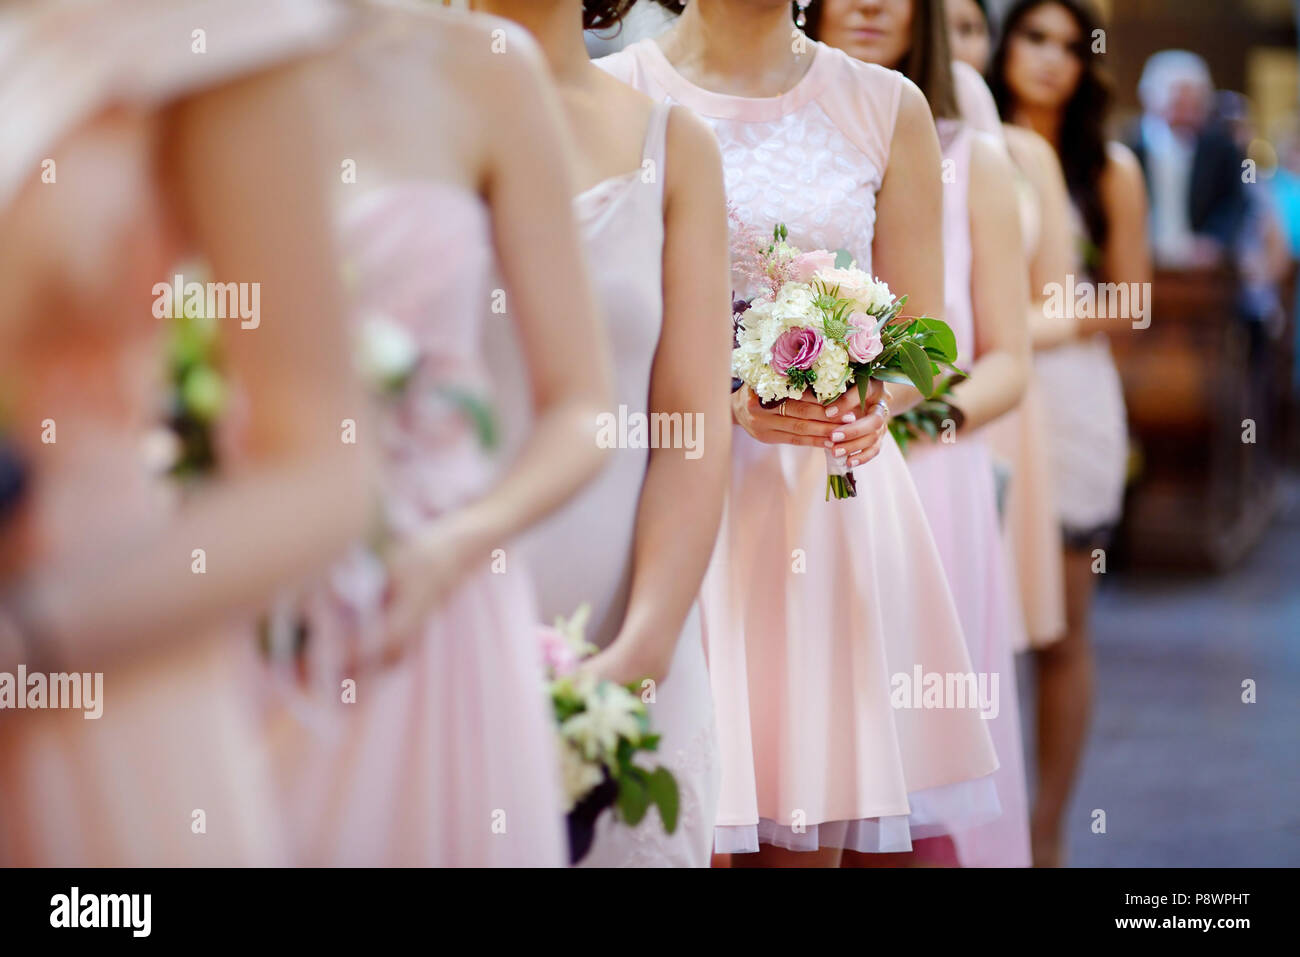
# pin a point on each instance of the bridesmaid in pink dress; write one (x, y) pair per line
(98, 568)
(635, 544)
(986, 301)
(446, 756)
(1019, 440)
(815, 612)
(1045, 77)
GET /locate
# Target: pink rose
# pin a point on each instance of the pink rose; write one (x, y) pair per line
(796, 349)
(863, 341)
(557, 653)
(805, 266)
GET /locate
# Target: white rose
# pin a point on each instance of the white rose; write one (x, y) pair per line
(387, 355)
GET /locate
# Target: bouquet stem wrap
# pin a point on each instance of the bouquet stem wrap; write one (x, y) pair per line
(839, 477)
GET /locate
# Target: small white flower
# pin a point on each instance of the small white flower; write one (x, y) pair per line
(387, 353)
(611, 713)
(578, 775)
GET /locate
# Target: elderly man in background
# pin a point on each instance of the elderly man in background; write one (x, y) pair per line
(1193, 168)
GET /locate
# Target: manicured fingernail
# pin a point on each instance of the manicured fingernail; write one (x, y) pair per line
(849, 418)
(853, 463)
(829, 444)
(830, 413)
(840, 453)
(837, 437)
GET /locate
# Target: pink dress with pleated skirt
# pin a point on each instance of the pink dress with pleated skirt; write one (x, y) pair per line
(173, 772)
(1019, 440)
(956, 486)
(449, 757)
(815, 612)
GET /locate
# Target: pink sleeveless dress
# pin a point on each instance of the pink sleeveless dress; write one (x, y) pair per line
(1020, 438)
(176, 736)
(448, 758)
(955, 482)
(814, 611)
(584, 552)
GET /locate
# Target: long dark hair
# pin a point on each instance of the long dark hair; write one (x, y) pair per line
(928, 61)
(600, 14)
(1082, 148)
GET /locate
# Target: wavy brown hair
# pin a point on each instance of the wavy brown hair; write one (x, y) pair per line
(601, 14)
(1083, 126)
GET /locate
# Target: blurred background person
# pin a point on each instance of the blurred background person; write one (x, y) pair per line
(127, 152)
(970, 33)
(1019, 439)
(1192, 166)
(1044, 76)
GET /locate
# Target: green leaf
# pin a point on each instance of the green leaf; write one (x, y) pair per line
(478, 412)
(916, 364)
(633, 797)
(663, 792)
(942, 341)
(891, 375)
(902, 435)
(843, 259)
(864, 383)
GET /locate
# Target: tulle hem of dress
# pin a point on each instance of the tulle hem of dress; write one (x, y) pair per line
(935, 812)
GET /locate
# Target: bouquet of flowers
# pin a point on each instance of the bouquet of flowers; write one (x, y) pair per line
(601, 727)
(820, 324)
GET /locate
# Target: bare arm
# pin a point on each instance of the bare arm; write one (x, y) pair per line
(552, 310)
(681, 500)
(551, 303)
(1127, 256)
(247, 177)
(908, 248)
(1054, 256)
(998, 292)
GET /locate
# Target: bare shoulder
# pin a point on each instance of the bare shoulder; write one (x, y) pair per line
(991, 176)
(988, 163)
(691, 141)
(476, 55)
(1030, 150)
(915, 121)
(1122, 179)
(693, 158)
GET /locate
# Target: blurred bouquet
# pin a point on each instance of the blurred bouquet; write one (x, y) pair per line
(389, 359)
(196, 394)
(821, 324)
(602, 726)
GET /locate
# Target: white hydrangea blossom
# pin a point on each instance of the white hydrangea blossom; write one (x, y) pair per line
(767, 321)
(612, 713)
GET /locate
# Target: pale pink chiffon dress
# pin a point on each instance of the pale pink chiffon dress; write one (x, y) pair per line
(813, 609)
(584, 552)
(955, 482)
(1020, 438)
(177, 735)
(448, 758)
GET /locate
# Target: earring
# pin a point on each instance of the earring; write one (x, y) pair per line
(801, 18)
